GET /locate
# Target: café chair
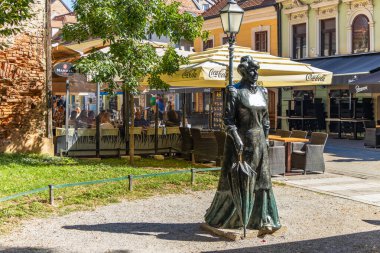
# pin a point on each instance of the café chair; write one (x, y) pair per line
(281, 133)
(220, 137)
(310, 156)
(298, 134)
(372, 137)
(205, 147)
(187, 142)
(277, 160)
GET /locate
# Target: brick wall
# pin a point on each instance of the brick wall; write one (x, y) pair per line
(23, 88)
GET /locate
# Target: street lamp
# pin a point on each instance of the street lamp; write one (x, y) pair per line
(231, 16)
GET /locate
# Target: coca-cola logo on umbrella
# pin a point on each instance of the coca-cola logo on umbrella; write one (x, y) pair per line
(217, 74)
(315, 77)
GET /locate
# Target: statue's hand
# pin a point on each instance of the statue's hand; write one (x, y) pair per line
(239, 146)
(238, 143)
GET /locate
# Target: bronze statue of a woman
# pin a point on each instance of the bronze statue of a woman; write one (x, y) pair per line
(247, 124)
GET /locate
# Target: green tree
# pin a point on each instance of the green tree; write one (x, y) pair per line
(124, 25)
(12, 14)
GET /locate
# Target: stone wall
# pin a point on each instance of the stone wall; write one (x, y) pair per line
(23, 109)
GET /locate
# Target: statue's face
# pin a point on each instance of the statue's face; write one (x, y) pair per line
(251, 72)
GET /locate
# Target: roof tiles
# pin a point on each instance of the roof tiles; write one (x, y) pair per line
(245, 4)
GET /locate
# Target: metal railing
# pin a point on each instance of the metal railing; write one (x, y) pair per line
(130, 178)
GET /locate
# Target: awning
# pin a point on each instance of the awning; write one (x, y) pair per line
(179, 90)
(209, 69)
(367, 84)
(349, 68)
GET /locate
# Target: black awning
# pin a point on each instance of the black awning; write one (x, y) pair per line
(369, 83)
(348, 68)
(373, 78)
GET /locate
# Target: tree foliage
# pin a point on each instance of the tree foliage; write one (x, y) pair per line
(12, 13)
(124, 25)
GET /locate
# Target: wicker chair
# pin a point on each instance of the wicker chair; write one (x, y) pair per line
(187, 143)
(310, 156)
(298, 134)
(372, 137)
(281, 133)
(220, 137)
(205, 148)
(277, 160)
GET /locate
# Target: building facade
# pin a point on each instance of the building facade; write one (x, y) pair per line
(340, 36)
(23, 87)
(258, 31)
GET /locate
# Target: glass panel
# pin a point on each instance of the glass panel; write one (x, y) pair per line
(261, 41)
(225, 21)
(360, 34)
(328, 37)
(236, 19)
(299, 41)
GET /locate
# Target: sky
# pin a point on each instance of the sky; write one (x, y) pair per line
(68, 2)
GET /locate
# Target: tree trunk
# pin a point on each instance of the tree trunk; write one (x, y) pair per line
(131, 129)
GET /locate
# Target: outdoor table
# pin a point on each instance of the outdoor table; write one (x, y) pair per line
(350, 120)
(288, 144)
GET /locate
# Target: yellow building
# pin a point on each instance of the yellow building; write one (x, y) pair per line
(258, 31)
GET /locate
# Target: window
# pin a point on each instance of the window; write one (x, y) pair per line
(208, 44)
(360, 34)
(205, 7)
(328, 37)
(225, 40)
(299, 41)
(261, 41)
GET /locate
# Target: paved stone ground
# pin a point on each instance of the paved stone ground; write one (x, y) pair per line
(352, 171)
(315, 223)
(351, 158)
(359, 189)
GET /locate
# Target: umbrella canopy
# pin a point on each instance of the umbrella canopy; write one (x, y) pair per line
(209, 69)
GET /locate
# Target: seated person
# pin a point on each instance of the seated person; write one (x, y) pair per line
(91, 118)
(73, 117)
(173, 119)
(140, 121)
(105, 120)
(81, 120)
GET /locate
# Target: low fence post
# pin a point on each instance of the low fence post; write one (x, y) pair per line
(51, 194)
(193, 171)
(130, 178)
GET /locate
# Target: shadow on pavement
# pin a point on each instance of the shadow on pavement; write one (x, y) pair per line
(373, 222)
(368, 242)
(177, 232)
(26, 250)
(349, 154)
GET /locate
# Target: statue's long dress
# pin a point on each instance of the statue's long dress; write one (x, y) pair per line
(247, 111)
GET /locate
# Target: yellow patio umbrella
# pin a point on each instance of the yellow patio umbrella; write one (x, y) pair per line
(209, 69)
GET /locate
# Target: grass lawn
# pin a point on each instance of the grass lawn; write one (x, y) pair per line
(19, 173)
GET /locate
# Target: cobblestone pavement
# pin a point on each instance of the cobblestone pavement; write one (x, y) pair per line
(352, 171)
(316, 223)
(351, 158)
(358, 189)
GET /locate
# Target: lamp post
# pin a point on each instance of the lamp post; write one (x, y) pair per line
(231, 16)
